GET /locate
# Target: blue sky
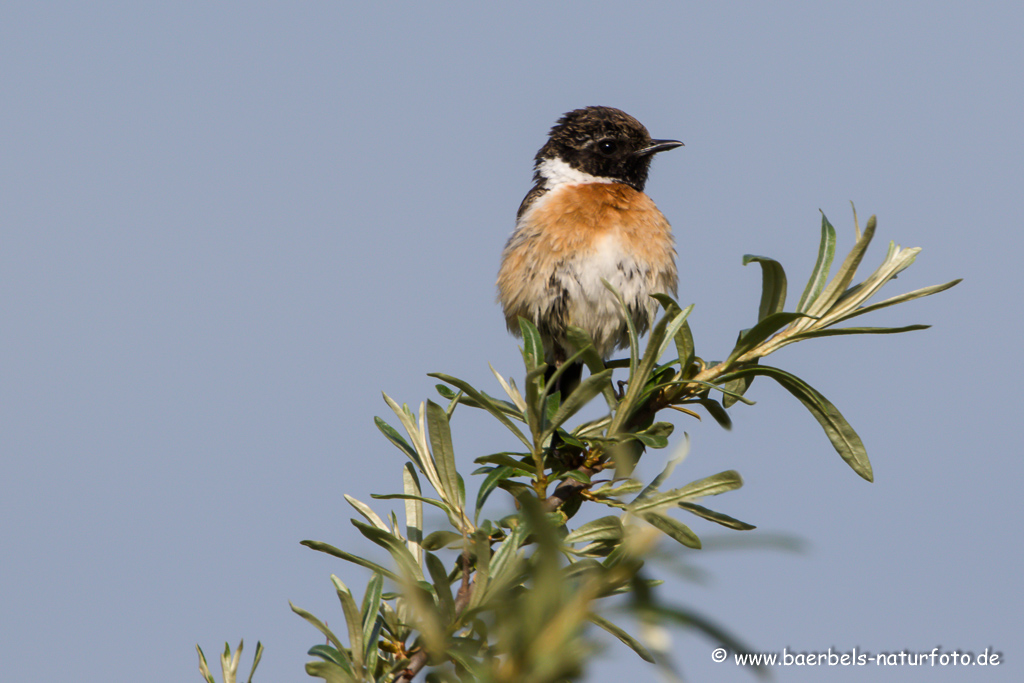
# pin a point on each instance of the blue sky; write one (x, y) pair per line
(228, 227)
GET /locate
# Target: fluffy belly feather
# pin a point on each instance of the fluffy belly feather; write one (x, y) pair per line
(553, 265)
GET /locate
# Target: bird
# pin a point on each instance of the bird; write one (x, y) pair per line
(585, 220)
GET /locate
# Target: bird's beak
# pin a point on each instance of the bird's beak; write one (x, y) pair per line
(657, 146)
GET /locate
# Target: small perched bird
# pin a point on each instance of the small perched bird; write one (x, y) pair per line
(587, 219)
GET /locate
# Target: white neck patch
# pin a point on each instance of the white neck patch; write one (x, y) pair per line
(556, 172)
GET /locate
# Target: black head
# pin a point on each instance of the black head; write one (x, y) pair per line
(602, 142)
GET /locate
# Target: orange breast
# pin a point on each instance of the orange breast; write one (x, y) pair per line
(571, 239)
(574, 216)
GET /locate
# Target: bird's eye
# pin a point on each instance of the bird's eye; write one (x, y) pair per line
(607, 146)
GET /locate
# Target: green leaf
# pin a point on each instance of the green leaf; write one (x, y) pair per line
(484, 402)
(826, 252)
(581, 395)
(579, 338)
(672, 528)
(442, 586)
(441, 538)
(371, 619)
(331, 672)
(367, 512)
(837, 331)
(394, 437)
(403, 558)
(622, 487)
(656, 436)
(453, 517)
(507, 460)
(736, 389)
(708, 486)
(506, 407)
(640, 372)
(631, 642)
(349, 557)
(729, 480)
(413, 511)
(844, 276)
(319, 626)
(512, 391)
(682, 335)
(533, 344)
(716, 411)
(680, 454)
(717, 517)
(844, 439)
(578, 476)
(506, 563)
(444, 453)
(329, 654)
(354, 621)
(675, 317)
(603, 529)
(761, 331)
(534, 383)
(773, 285)
(909, 296)
(255, 660)
(634, 338)
(496, 476)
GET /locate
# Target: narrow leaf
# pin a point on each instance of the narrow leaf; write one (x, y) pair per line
(510, 390)
(394, 437)
(837, 331)
(444, 453)
(581, 395)
(631, 642)
(844, 276)
(354, 621)
(579, 338)
(729, 480)
(577, 475)
(634, 338)
(656, 436)
(533, 345)
(819, 276)
(442, 586)
(506, 460)
(413, 512)
(369, 609)
(504, 406)
(717, 517)
(909, 296)
(484, 401)
(844, 439)
(319, 626)
(349, 557)
(773, 285)
(367, 512)
(676, 323)
(761, 331)
(682, 451)
(603, 529)
(716, 411)
(331, 672)
(403, 558)
(672, 528)
(441, 538)
(491, 481)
